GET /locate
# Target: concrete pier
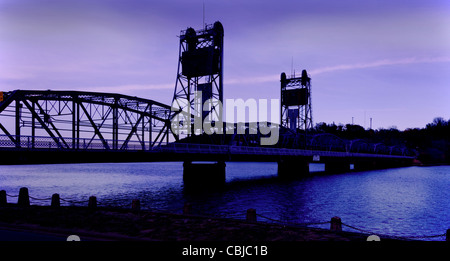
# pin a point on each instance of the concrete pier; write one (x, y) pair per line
(373, 164)
(203, 174)
(292, 168)
(337, 167)
(363, 165)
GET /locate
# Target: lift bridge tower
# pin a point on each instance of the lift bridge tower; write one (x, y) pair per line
(296, 109)
(200, 68)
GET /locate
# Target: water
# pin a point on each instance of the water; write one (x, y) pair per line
(412, 201)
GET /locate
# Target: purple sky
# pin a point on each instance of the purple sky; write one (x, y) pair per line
(386, 60)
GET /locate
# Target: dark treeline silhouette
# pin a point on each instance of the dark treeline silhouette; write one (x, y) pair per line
(431, 144)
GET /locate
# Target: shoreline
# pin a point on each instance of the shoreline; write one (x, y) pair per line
(113, 224)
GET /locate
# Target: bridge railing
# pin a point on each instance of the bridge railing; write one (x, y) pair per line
(39, 142)
(244, 150)
(193, 148)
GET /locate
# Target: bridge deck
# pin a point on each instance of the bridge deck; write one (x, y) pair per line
(49, 152)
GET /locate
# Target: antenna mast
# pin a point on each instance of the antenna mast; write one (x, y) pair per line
(204, 24)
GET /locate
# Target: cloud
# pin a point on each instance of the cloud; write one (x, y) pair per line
(340, 67)
(386, 62)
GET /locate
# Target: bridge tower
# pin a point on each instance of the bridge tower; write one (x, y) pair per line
(296, 108)
(200, 69)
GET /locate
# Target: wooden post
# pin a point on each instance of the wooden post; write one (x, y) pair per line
(136, 205)
(24, 199)
(55, 201)
(3, 200)
(336, 224)
(251, 215)
(187, 208)
(92, 202)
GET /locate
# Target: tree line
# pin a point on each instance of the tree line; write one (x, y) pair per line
(431, 143)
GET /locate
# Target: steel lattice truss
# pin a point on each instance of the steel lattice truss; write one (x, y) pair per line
(200, 68)
(303, 106)
(77, 120)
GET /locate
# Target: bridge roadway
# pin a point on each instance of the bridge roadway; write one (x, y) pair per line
(291, 162)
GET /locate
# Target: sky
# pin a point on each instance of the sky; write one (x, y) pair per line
(385, 60)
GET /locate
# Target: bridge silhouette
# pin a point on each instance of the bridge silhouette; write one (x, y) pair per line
(47, 126)
(74, 127)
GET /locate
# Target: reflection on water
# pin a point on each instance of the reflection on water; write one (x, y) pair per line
(403, 202)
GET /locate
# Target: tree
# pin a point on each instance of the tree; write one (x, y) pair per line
(439, 128)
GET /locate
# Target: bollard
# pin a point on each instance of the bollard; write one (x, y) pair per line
(447, 235)
(3, 200)
(24, 199)
(55, 201)
(251, 215)
(92, 202)
(187, 208)
(136, 205)
(336, 224)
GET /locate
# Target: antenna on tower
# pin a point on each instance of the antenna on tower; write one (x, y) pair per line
(204, 24)
(292, 66)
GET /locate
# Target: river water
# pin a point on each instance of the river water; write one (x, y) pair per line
(405, 202)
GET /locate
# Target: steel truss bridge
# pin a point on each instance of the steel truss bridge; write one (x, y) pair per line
(73, 120)
(70, 126)
(82, 120)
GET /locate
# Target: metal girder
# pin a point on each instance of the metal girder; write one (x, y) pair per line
(97, 130)
(40, 121)
(68, 117)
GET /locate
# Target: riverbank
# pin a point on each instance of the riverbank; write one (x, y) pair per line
(126, 225)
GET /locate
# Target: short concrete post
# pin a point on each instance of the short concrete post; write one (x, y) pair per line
(251, 215)
(24, 198)
(3, 200)
(447, 235)
(187, 208)
(92, 202)
(336, 224)
(136, 205)
(55, 201)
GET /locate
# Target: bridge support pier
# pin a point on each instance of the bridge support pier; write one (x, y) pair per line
(292, 168)
(373, 164)
(203, 174)
(366, 165)
(337, 167)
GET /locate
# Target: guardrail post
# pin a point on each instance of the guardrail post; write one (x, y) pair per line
(187, 208)
(55, 201)
(251, 215)
(24, 199)
(92, 202)
(136, 205)
(3, 200)
(336, 224)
